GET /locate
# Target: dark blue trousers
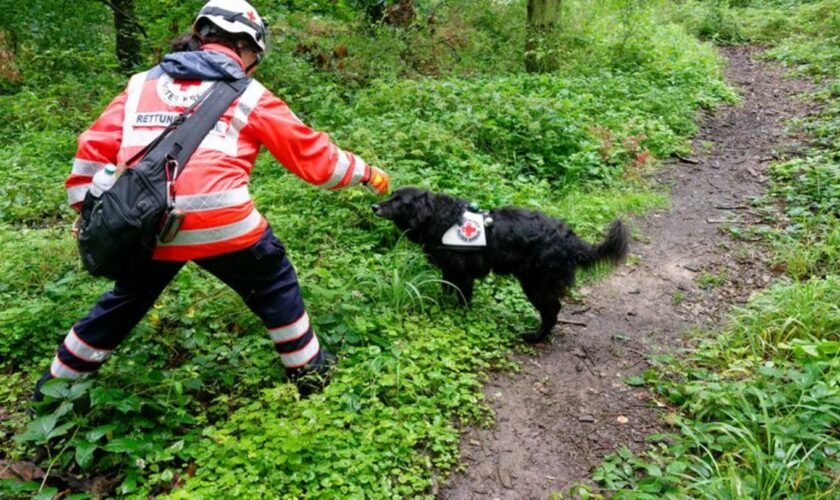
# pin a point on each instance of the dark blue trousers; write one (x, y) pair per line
(261, 274)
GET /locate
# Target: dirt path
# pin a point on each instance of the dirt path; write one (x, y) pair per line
(559, 416)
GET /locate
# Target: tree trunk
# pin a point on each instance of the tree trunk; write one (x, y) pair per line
(543, 18)
(128, 33)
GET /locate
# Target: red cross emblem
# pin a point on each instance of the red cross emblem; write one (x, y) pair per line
(251, 15)
(469, 229)
(185, 84)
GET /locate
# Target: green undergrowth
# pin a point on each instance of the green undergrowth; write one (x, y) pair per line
(788, 26)
(757, 404)
(809, 189)
(194, 403)
(198, 381)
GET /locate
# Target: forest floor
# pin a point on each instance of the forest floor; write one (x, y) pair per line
(569, 406)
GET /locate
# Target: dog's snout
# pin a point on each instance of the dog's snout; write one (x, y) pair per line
(375, 207)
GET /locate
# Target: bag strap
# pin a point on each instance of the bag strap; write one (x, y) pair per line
(186, 139)
(230, 91)
(177, 121)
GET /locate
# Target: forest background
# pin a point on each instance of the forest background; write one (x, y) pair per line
(562, 106)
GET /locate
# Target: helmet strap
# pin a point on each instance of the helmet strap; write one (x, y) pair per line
(254, 64)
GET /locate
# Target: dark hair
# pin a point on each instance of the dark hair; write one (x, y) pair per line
(185, 43)
(194, 40)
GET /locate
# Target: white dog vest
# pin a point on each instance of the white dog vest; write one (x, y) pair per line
(470, 232)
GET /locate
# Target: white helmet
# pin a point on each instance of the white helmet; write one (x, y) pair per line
(234, 16)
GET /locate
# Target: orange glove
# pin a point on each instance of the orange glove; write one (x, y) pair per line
(77, 225)
(378, 181)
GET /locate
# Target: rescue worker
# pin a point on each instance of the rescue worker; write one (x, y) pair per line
(222, 231)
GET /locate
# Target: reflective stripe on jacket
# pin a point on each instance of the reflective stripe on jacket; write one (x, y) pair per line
(212, 189)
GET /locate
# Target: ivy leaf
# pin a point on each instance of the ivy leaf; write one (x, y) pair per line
(129, 404)
(78, 390)
(102, 396)
(46, 494)
(56, 388)
(39, 429)
(122, 445)
(63, 409)
(84, 453)
(60, 430)
(96, 434)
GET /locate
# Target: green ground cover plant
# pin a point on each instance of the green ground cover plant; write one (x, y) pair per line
(758, 403)
(194, 403)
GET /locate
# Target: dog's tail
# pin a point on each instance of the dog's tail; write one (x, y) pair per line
(612, 250)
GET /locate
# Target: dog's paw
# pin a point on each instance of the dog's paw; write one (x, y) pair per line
(534, 337)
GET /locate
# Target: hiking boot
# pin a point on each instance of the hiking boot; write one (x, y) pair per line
(37, 395)
(315, 375)
(37, 401)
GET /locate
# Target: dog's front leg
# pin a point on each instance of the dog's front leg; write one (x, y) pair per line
(459, 285)
(465, 289)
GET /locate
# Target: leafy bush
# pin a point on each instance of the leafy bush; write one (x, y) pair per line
(808, 188)
(797, 30)
(759, 406)
(41, 291)
(114, 429)
(201, 398)
(718, 23)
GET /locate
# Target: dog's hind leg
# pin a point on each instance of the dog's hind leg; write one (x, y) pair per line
(547, 302)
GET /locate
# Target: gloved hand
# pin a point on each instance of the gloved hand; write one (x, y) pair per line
(77, 224)
(377, 182)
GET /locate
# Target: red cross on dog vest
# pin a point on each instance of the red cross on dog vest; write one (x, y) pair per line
(471, 231)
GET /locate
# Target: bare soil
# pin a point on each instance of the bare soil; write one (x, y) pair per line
(569, 406)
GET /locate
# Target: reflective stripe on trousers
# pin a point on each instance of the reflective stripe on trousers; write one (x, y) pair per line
(290, 332)
(60, 370)
(302, 356)
(83, 350)
(260, 274)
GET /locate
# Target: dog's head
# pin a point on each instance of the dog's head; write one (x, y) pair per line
(409, 208)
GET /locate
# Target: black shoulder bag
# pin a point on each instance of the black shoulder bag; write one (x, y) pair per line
(120, 229)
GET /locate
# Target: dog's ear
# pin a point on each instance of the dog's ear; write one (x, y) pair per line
(423, 210)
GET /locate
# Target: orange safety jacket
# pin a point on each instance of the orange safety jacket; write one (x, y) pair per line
(213, 187)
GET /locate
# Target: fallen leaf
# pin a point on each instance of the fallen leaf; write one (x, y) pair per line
(25, 471)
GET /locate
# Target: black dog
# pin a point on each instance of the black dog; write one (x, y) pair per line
(541, 252)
